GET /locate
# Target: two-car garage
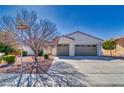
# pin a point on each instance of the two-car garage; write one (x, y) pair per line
(80, 50)
(78, 44)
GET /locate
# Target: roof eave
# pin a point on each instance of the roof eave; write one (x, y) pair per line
(85, 34)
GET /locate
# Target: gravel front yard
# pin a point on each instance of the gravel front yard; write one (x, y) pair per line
(60, 74)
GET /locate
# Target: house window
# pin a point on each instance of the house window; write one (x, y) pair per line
(94, 45)
(59, 45)
(77, 45)
(82, 45)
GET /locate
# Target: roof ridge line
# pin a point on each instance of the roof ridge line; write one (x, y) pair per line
(84, 34)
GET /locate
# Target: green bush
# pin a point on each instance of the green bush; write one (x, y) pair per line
(41, 53)
(9, 58)
(0, 59)
(46, 56)
(24, 53)
(5, 48)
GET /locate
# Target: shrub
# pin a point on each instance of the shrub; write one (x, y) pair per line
(41, 53)
(0, 59)
(6, 48)
(16, 53)
(46, 56)
(9, 58)
(24, 53)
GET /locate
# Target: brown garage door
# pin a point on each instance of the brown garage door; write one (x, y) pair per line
(85, 50)
(63, 50)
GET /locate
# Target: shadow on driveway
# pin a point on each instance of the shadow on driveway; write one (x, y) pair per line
(60, 74)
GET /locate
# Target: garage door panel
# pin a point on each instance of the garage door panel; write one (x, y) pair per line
(85, 50)
(63, 50)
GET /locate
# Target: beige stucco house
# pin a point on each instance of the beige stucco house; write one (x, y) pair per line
(75, 44)
(78, 44)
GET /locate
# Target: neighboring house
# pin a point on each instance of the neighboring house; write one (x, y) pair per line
(30, 52)
(119, 51)
(28, 49)
(78, 44)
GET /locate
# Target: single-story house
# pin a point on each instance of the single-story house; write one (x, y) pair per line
(75, 44)
(78, 44)
(119, 51)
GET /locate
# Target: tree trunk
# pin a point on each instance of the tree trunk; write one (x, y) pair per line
(36, 63)
(111, 52)
(35, 58)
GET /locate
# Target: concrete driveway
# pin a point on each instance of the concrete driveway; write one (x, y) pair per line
(100, 71)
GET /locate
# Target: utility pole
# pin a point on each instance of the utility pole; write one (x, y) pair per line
(21, 26)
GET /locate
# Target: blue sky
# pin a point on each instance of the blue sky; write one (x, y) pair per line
(104, 22)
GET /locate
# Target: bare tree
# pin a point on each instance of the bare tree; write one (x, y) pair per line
(39, 33)
(8, 38)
